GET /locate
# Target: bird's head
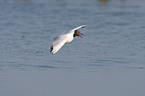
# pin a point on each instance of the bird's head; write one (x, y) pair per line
(78, 33)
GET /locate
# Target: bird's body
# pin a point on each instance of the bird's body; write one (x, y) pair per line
(65, 38)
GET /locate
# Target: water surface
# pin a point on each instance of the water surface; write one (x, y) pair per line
(108, 61)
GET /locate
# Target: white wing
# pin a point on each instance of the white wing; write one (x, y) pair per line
(57, 44)
(73, 30)
(83, 26)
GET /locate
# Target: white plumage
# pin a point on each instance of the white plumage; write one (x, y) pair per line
(65, 38)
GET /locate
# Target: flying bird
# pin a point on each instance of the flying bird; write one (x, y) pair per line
(59, 41)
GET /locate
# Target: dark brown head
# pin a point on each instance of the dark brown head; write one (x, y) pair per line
(78, 33)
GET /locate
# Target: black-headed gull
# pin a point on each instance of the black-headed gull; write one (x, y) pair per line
(65, 38)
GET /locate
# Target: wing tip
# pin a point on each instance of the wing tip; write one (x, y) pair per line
(51, 49)
(83, 26)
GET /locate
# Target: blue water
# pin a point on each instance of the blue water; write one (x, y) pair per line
(108, 61)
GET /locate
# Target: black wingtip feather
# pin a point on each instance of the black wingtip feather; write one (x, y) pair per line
(51, 48)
